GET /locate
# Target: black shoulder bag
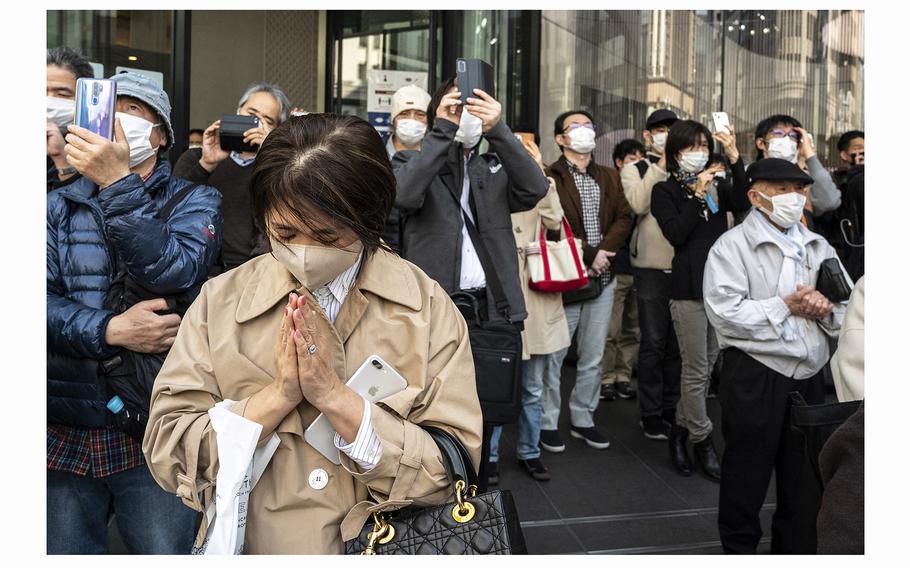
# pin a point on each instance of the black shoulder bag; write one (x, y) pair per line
(131, 375)
(495, 345)
(469, 524)
(831, 282)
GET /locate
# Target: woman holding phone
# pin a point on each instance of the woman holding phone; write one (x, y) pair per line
(691, 209)
(281, 335)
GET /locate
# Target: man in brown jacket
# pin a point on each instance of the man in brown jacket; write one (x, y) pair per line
(600, 216)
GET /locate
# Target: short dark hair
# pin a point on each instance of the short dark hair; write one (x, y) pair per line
(847, 137)
(684, 134)
(324, 166)
(440, 92)
(68, 59)
(626, 147)
(715, 158)
(196, 131)
(560, 123)
(767, 124)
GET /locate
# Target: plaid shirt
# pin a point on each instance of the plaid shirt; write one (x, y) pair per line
(589, 192)
(99, 451)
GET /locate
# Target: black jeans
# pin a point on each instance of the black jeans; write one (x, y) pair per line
(659, 365)
(758, 439)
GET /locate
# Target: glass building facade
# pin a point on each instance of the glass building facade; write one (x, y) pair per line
(620, 65)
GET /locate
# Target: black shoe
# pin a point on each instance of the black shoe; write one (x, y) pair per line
(655, 428)
(607, 392)
(706, 456)
(624, 390)
(591, 437)
(551, 441)
(536, 469)
(678, 453)
(492, 473)
(669, 416)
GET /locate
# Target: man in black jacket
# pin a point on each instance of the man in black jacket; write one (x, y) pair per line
(448, 179)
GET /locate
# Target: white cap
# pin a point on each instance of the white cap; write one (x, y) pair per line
(409, 97)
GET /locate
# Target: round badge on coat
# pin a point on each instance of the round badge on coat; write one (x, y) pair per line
(319, 478)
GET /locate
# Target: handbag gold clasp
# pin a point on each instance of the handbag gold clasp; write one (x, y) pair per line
(463, 511)
(382, 533)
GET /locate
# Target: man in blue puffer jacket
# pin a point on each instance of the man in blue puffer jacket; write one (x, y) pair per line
(98, 225)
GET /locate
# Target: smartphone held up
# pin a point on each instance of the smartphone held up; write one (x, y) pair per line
(96, 101)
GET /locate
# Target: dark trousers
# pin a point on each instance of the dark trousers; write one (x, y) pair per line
(659, 364)
(758, 439)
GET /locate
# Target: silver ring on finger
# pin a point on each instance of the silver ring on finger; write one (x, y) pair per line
(311, 348)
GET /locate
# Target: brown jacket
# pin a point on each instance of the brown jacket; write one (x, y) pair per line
(616, 217)
(224, 350)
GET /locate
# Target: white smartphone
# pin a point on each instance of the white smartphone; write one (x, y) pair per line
(374, 381)
(721, 122)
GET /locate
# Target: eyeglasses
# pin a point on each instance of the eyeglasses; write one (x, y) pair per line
(776, 133)
(576, 126)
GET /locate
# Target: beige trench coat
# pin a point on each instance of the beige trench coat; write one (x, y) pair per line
(224, 350)
(546, 330)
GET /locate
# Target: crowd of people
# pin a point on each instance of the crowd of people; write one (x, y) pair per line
(285, 267)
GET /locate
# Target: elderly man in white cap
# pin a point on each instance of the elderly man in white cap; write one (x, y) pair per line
(409, 119)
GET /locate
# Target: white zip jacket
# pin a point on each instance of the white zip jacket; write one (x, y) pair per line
(740, 291)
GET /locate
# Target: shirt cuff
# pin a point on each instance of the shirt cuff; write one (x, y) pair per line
(366, 449)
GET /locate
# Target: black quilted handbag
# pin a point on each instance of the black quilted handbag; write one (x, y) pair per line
(470, 524)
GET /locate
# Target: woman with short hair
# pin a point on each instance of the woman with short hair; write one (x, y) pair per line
(282, 334)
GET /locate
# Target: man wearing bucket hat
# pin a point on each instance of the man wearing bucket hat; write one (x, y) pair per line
(115, 220)
(774, 326)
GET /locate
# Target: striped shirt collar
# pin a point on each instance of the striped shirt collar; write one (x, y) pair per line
(332, 295)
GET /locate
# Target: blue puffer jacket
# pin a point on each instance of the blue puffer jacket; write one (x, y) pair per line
(84, 229)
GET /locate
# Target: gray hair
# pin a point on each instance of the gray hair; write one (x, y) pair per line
(284, 103)
(66, 58)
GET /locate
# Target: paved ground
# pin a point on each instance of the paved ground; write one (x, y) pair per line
(626, 499)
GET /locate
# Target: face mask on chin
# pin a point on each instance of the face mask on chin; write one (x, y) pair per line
(138, 132)
(787, 208)
(784, 148)
(470, 129)
(315, 266)
(410, 132)
(61, 111)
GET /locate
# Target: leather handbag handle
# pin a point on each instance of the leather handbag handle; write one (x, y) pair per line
(454, 456)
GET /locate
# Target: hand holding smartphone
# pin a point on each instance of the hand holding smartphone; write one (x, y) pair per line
(721, 122)
(473, 74)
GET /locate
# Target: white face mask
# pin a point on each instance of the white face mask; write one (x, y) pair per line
(410, 132)
(659, 142)
(61, 111)
(787, 208)
(784, 148)
(137, 131)
(581, 140)
(315, 265)
(195, 145)
(470, 129)
(693, 162)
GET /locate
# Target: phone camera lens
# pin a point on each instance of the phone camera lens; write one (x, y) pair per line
(377, 364)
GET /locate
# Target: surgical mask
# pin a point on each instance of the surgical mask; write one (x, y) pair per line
(659, 142)
(410, 132)
(788, 208)
(693, 162)
(784, 148)
(137, 131)
(470, 129)
(61, 111)
(315, 266)
(195, 145)
(581, 140)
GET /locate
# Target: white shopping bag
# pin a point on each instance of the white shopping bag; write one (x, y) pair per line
(240, 465)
